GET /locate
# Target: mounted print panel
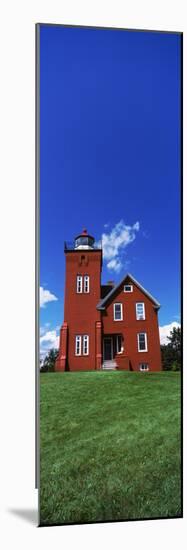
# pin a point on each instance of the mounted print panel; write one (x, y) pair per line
(110, 178)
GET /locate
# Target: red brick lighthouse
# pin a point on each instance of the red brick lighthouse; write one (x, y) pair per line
(105, 326)
(80, 335)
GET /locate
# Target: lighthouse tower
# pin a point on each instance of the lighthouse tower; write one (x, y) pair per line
(80, 334)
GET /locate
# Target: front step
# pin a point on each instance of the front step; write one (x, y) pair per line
(109, 365)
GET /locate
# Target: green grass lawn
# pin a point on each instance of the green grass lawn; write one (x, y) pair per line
(110, 446)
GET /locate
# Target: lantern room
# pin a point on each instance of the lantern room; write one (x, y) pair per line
(84, 241)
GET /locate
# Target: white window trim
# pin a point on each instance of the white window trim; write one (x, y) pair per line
(121, 306)
(85, 338)
(79, 280)
(146, 348)
(131, 290)
(117, 346)
(78, 338)
(137, 317)
(86, 279)
(144, 370)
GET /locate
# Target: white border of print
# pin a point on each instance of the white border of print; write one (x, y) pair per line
(18, 497)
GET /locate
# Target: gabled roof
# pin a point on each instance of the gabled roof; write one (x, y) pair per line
(105, 289)
(102, 304)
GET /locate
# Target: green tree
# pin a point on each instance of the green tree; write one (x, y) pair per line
(171, 352)
(49, 361)
(167, 357)
(175, 339)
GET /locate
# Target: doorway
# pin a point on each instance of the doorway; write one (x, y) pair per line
(108, 348)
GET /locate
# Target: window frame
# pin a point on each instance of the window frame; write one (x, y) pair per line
(128, 291)
(117, 344)
(121, 306)
(85, 338)
(78, 338)
(79, 280)
(146, 346)
(86, 281)
(137, 317)
(143, 370)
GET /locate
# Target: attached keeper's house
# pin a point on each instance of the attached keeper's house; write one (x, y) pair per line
(105, 326)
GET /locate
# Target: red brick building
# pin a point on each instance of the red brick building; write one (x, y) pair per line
(105, 326)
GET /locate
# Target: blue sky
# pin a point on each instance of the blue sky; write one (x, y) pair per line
(110, 159)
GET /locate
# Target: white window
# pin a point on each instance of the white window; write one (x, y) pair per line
(142, 341)
(140, 311)
(118, 312)
(86, 283)
(144, 367)
(128, 288)
(78, 345)
(85, 344)
(119, 347)
(79, 283)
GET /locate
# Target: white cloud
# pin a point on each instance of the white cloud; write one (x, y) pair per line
(44, 328)
(46, 296)
(115, 265)
(115, 242)
(165, 331)
(48, 340)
